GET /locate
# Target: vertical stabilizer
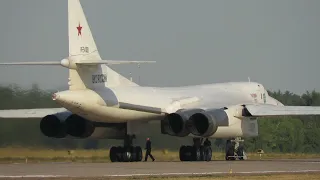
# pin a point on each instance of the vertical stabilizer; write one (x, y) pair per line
(81, 41)
(83, 47)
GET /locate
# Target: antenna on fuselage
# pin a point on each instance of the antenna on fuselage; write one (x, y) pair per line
(139, 73)
(249, 79)
(130, 77)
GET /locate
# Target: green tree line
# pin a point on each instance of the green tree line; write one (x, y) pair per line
(287, 134)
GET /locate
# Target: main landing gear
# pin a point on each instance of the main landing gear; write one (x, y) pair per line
(235, 150)
(196, 152)
(127, 153)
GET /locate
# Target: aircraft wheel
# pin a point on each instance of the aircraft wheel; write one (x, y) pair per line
(203, 153)
(189, 153)
(127, 155)
(196, 154)
(138, 153)
(240, 152)
(133, 154)
(121, 154)
(229, 151)
(118, 151)
(186, 153)
(182, 153)
(208, 154)
(113, 154)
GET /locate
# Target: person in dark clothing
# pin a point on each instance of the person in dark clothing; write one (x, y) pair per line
(207, 146)
(148, 150)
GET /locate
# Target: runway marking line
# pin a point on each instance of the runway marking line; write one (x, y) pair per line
(157, 174)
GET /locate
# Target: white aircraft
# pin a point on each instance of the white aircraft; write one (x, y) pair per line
(101, 103)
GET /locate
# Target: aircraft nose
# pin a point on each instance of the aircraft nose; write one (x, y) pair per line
(55, 96)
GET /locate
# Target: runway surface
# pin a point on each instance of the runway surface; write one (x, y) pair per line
(157, 168)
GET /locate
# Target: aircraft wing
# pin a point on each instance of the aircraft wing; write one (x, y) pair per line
(29, 113)
(256, 110)
(264, 110)
(40, 113)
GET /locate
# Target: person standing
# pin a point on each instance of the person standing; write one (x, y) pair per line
(148, 150)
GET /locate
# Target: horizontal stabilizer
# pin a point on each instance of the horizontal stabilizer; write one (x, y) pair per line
(29, 113)
(71, 64)
(34, 63)
(112, 62)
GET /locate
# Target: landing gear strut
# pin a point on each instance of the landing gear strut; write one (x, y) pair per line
(197, 152)
(235, 150)
(127, 153)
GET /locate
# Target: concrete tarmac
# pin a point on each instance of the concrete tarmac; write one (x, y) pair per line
(43, 170)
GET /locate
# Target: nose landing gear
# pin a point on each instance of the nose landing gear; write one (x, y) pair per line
(235, 150)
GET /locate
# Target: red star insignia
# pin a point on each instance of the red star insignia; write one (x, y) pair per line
(79, 29)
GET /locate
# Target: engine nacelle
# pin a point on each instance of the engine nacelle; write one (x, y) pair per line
(79, 127)
(68, 125)
(54, 125)
(206, 123)
(175, 124)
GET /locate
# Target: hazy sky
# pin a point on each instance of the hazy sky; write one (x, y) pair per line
(274, 42)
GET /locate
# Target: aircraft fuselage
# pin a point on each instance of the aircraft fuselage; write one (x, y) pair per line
(101, 104)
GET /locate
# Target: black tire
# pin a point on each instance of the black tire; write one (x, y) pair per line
(113, 154)
(182, 153)
(126, 155)
(203, 153)
(196, 154)
(209, 154)
(229, 150)
(138, 153)
(119, 152)
(188, 153)
(240, 152)
(133, 154)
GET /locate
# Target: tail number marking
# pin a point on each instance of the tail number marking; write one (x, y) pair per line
(84, 49)
(99, 78)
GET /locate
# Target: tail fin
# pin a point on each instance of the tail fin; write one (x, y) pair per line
(81, 41)
(82, 46)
